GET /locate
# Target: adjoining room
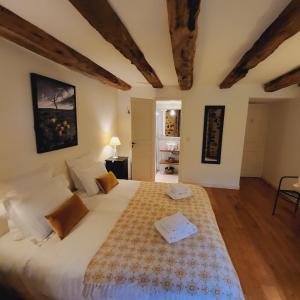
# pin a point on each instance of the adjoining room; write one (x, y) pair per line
(168, 116)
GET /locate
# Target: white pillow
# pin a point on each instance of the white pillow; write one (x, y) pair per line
(13, 189)
(15, 224)
(82, 162)
(28, 212)
(88, 177)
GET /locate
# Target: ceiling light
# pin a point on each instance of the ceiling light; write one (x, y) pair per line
(172, 112)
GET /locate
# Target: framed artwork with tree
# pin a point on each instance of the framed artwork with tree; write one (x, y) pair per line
(54, 108)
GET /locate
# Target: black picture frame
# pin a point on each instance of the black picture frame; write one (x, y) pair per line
(55, 114)
(213, 134)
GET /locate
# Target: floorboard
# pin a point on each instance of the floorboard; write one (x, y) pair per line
(265, 249)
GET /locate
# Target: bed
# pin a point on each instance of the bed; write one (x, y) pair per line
(56, 269)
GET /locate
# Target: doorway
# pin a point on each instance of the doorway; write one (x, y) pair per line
(255, 140)
(167, 140)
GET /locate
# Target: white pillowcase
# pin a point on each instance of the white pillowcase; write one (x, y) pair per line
(22, 184)
(27, 211)
(88, 177)
(82, 162)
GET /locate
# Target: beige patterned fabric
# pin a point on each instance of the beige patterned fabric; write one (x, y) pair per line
(135, 255)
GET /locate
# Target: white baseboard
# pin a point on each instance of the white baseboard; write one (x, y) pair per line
(221, 186)
(215, 185)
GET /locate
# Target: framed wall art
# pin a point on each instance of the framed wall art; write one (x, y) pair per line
(212, 134)
(172, 122)
(54, 108)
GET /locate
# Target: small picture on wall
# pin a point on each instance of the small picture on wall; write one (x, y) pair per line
(212, 134)
(172, 125)
(54, 107)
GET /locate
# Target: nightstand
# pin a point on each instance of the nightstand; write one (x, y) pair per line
(119, 166)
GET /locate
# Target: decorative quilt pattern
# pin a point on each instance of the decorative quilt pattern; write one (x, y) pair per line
(135, 254)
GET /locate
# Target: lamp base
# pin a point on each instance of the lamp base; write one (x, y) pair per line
(115, 154)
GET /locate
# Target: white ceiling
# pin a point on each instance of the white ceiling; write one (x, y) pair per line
(226, 30)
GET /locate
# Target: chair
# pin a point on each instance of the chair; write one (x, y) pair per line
(291, 193)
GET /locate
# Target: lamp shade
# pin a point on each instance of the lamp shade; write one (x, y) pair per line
(115, 141)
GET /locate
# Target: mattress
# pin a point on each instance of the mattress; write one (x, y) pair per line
(56, 268)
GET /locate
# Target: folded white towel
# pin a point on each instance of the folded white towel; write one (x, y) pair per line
(178, 188)
(179, 191)
(175, 227)
(179, 196)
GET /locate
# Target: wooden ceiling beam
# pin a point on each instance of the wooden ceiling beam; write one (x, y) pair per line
(286, 25)
(29, 36)
(104, 19)
(183, 15)
(283, 81)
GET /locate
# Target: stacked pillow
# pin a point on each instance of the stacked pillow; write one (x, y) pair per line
(84, 171)
(107, 182)
(38, 203)
(30, 198)
(79, 163)
(13, 189)
(63, 218)
(28, 212)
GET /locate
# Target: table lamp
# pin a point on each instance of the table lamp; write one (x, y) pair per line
(115, 141)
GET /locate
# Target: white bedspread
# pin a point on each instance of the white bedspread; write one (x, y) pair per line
(55, 270)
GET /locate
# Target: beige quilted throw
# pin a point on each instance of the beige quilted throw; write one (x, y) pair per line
(135, 262)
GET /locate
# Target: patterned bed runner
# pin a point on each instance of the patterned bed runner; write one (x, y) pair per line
(135, 255)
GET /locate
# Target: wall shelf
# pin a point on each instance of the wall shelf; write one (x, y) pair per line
(166, 162)
(170, 151)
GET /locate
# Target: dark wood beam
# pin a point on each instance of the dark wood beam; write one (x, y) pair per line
(286, 25)
(183, 15)
(104, 19)
(283, 81)
(29, 36)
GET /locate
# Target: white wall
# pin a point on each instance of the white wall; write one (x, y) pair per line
(282, 156)
(96, 113)
(193, 102)
(255, 140)
(236, 99)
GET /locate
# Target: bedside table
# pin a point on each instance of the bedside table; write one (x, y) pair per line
(119, 166)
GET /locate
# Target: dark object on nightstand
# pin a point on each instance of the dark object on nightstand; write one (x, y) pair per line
(119, 166)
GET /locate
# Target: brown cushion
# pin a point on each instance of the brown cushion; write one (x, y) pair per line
(107, 182)
(67, 215)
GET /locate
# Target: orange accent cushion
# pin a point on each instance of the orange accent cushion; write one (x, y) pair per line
(107, 182)
(67, 215)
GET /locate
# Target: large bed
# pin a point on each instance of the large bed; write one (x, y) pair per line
(56, 268)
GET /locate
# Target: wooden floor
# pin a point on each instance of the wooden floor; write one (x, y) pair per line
(264, 249)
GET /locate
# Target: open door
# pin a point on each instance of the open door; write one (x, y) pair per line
(143, 139)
